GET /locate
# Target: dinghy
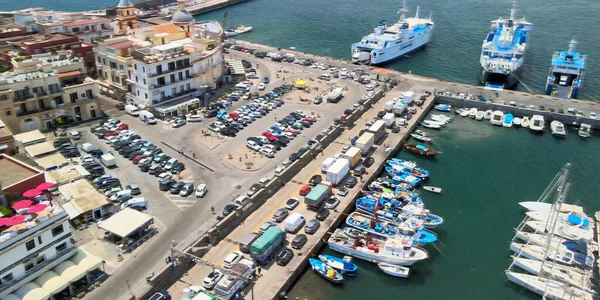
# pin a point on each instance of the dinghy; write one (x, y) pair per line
(433, 189)
(472, 113)
(517, 121)
(525, 122)
(420, 137)
(488, 114)
(342, 265)
(394, 270)
(479, 116)
(325, 271)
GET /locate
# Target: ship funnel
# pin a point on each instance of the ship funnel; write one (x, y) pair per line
(572, 46)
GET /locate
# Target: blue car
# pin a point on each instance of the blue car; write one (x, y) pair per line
(276, 129)
(266, 79)
(263, 111)
(273, 94)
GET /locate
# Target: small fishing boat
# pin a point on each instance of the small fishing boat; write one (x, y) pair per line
(242, 29)
(325, 271)
(342, 265)
(497, 117)
(479, 116)
(394, 270)
(402, 177)
(433, 189)
(465, 113)
(421, 150)
(558, 129)
(421, 132)
(472, 113)
(461, 110)
(352, 232)
(387, 228)
(537, 123)
(443, 107)
(585, 130)
(405, 166)
(441, 118)
(488, 114)
(431, 124)
(508, 120)
(517, 121)
(525, 122)
(420, 137)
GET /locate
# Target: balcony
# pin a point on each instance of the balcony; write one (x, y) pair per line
(23, 97)
(170, 70)
(28, 112)
(39, 94)
(174, 97)
(159, 85)
(54, 92)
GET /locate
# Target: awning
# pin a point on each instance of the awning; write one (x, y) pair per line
(301, 82)
(52, 282)
(30, 291)
(40, 149)
(174, 106)
(69, 271)
(67, 74)
(125, 222)
(71, 210)
(86, 261)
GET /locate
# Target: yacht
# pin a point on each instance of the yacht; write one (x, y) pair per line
(566, 73)
(508, 120)
(558, 129)
(556, 272)
(387, 43)
(556, 242)
(585, 130)
(397, 251)
(548, 288)
(546, 207)
(561, 256)
(497, 117)
(566, 231)
(503, 51)
(537, 123)
(525, 122)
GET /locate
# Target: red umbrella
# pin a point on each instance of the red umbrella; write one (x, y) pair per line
(32, 193)
(22, 204)
(14, 220)
(45, 186)
(36, 208)
(2, 222)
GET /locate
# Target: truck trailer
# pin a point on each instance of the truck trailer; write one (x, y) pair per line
(337, 171)
(318, 195)
(264, 248)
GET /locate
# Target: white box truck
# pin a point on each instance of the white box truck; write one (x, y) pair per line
(108, 160)
(378, 129)
(326, 164)
(335, 95)
(389, 106)
(337, 171)
(365, 142)
(132, 110)
(389, 119)
(147, 117)
(399, 108)
(408, 97)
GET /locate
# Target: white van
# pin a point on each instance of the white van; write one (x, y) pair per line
(121, 196)
(170, 163)
(132, 110)
(326, 164)
(241, 201)
(294, 222)
(147, 117)
(87, 147)
(136, 203)
(325, 77)
(242, 87)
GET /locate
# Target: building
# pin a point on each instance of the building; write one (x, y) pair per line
(7, 141)
(90, 29)
(114, 61)
(126, 18)
(17, 177)
(48, 43)
(46, 91)
(12, 30)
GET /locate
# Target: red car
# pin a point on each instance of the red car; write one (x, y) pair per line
(293, 131)
(267, 134)
(310, 119)
(305, 190)
(234, 116)
(109, 134)
(244, 49)
(137, 158)
(123, 126)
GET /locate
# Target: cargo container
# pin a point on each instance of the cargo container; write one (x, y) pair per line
(326, 164)
(377, 129)
(318, 195)
(263, 249)
(337, 171)
(352, 155)
(408, 97)
(365, 142)
(389, 119)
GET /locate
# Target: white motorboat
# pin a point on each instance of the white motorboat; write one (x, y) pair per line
(537, 123)
(431, 124)
(420, 137)
(472, 113)
(585, 130)
(461, 110)
(546, 207)
(488, 114)
(497, 118)
(565, 231)
(525, 122)
(558, 129)
(561, 255)
(242, 29)
(479, 116)
(548, 288)
(507, 121)
(517, 121)
(441, 119)
(394, 270)
(433, 189)
(465, 113)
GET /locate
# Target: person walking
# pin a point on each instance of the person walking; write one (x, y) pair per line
(212, 209)
(258, 271)
(194, 155)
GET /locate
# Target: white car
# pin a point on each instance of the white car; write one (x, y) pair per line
(201, 191)
(214, 127)
(292, 203)
(263, 139)
(163, 176)
(289, 135)
(211, 279)
(593, 115)
(264, 180)
(220, 125)
(251, 75)
(261, 86)
(279, 170)
(194, 118)
(253, 145)
(267, 152)
(232, 258)
(74, 135)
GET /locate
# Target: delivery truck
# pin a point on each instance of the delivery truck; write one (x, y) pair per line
(132, 110)
(365, 142)
(389, 106)
(326, 164)
(352, 155)
(266, 246)
(108, 160)
(408, 97)
(377, 129)
(389, 119)
(337, 171)
(147, 117)
(335, 95)
(318, 195)
(399, 108)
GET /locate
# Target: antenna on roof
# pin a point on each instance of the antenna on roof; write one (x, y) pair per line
(572, 45)
(403, 10)
(513, 10)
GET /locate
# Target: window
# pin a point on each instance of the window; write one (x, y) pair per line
(144, 69)
(29, 265)
(136, 79)
(57, 230)
(7, 278)
(172, 77)
(180, 75)
(144, 80)
(62, 247)
(40, 260)
(135, 66)
(3, 97)
(39, 239)
(73, 97)
(121, 67)
(76, 29)
(99, 60)
(89, 94)
(8, 112)
(187, 86)
(146, 95)
(187, 73)
(30, 245)
(138, 93)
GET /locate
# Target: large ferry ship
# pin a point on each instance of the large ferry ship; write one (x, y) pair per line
(503, 51)
(566, 73)
(387, 43)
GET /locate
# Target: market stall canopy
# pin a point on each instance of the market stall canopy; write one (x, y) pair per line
(32, 193)
(126, 222)
(36, 208)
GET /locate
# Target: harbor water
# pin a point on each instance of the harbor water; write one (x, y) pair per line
(484, 171)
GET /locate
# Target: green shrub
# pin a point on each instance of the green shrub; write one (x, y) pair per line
(6, 212)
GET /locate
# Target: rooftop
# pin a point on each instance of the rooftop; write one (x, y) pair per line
(41, 38)
(49, 215)
(40, 149)
(14, 171)
(52, 161)
(81, 197)
(66, 174)
(30, 137)
(166, 28)
(86, 22)
(121, 45)
(4, 131)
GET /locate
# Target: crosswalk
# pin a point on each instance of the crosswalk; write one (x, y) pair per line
(183, 202)
(272, 66)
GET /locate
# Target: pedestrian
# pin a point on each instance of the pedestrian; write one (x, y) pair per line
(194, 155)
(166, 261)
(246, 155)
(212, 209)
(258, 270)
(240, 159)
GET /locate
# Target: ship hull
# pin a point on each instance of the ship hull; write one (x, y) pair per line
(499, 81)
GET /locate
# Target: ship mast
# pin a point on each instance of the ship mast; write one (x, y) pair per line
(417, 13)
(572, 46)
(403, 11)
(513, 11)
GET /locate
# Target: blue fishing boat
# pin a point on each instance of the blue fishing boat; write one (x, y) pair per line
(342, 265)
(443, 107)
(399, 214)
(384, 182)
(389, 229)
(325, 271)
(408, 167)
(507, 121)
(405, 177)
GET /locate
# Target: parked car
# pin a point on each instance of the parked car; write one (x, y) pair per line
(332, 202)
(350, 182)
(211, 279)
(201, 190)
(285, 256)
(312, 226)
(299, 241)
(322, 214)
(253, 189)
(166, 184)
(228, 209)
(187, 190)
(280, 215)
(315, 179)
(176, 188)
(292, 203)
(368, 162)
(178, 123)
(266, 226)
(232, 258)
(305, 190)
(134, 188)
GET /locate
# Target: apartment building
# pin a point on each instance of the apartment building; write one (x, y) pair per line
(90, 29)
(46, 91)
(114, 61)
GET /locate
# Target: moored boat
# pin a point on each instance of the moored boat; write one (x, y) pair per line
(461, 110)
(472, 113)
(389, 229)
(394, 270)
(343, 265)
(564, 274)
(242, 29)
(325, 271)
(507, 121)
(558, 129)
(497, 117)
(421, 132)
(443, 107)
(420, 137)
(433, 189)
(548, 288)
(517, 121)
(353, 232)
(441, 118)
(585, 130)
(525, 122)
(410, 167)
(479, 116)
(537, 123)
(487, 114)
(561, 256)
(431, 124)
(465, 113)
(421, 150)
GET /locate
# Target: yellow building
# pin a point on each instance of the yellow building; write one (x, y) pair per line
(114, 61)
(46, 91)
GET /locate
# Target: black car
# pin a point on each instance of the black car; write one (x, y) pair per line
(302, 150)
(228, 132)
(285, 256)
(125, 150)
(177, 168)
(228, 209)
(256, 140)
(395, 128)
(92, 165)
(306, 124)
(350, 182)
(359, 171)
(133, 154)
(315, 179)
(110, 182)
(381, 114)
(322, 214)
(145, 167)
(294, 157)
(211, 113)
(176, 187)
(368, 162)
(160, 295)
(120, 144)
(70, 154)
(299, 241)
(166, 184)
(156, 171)
(96, 153)
(276, 144)
(100, 133)
(282, 141)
